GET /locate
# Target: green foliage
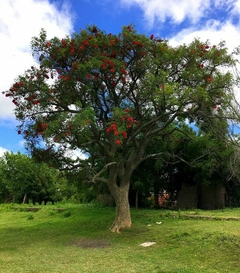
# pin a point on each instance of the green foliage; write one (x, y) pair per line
(22, 177)
(30, 217)
(67, 214)
(104, 75)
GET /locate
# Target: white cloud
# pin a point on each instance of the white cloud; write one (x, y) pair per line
(19, 22)
(2, 151)
(175, 10)
(213, 30)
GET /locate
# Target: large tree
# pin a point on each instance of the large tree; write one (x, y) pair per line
(107, 96)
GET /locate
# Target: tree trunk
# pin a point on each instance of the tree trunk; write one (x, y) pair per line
(25, 199)
(123, 215)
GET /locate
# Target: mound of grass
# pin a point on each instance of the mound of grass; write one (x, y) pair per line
(77, 239)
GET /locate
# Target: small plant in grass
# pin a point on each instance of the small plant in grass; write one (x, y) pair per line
(30, 217)
(67, 214)
(52, 213)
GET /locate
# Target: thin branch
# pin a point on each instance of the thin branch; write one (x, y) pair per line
(96, 176)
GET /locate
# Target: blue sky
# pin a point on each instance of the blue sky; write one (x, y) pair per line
(180, 21)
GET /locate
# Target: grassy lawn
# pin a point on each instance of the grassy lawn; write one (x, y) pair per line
(78, 240)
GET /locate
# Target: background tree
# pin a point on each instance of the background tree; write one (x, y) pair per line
(22, 180)
(108, 96)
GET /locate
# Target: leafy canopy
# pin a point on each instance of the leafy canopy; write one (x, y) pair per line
(108, 95)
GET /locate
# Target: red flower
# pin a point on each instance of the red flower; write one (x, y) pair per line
(116, 133)
(124, 134)
(36, 101)
(74, 65)
(19, 132)
(96, 76)
(66, 133)
(118, 141)
(94, 30)
(151, 37)
(129, 28)
(15, 102)
(44, 126)
(114, 54)
(209, 79)
(64, 42)
(123, 71)
(111, 63)
(113, 127)
(48, 44)
(112, 70)
(130, 119)
(86, 43)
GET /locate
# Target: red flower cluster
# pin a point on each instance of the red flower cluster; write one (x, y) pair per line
(16, 86)
(86, 43)
(118, 141)
(31, 97)
(41, 127)
(137, 43)
(66, 78)
(36, 102)
(209, 79)
(123, 71)
(64, 43)
(128, 121)
(113, 128)
(107, 64)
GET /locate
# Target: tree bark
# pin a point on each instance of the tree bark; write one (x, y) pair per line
(123, 215)
(25, 199)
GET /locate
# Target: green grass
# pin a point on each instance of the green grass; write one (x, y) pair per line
(73, 241)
